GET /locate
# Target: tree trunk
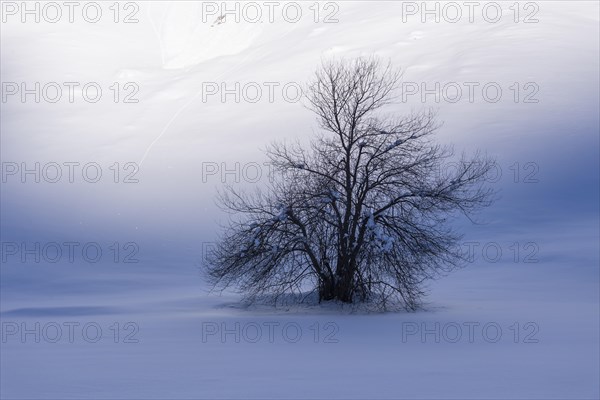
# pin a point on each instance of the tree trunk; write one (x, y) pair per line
(344, 285)
(339, 287)
(326, 290)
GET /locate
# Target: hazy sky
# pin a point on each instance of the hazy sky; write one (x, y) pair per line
(546, 139)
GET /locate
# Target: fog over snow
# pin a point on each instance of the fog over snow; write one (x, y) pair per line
(188, 102)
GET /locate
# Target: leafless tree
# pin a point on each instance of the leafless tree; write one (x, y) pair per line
(361, 214)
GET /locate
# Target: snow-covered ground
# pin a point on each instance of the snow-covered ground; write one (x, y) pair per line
(520, 321)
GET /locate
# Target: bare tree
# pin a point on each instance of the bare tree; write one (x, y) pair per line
(360, 214)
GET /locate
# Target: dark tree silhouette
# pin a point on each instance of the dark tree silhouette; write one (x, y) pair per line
(360, 214)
